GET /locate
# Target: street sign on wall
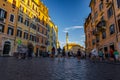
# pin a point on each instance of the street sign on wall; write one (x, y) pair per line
(19, 42)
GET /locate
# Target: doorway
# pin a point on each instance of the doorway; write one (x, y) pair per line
(105, 49)
(6, 49)
(112, 47)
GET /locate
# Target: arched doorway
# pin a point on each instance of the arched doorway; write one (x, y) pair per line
(6, 49)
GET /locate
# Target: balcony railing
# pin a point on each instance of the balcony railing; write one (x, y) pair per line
(101, 26)
(96, 32)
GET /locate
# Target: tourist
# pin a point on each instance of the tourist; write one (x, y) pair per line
(78, 54)
(111, 54)
(53, 51)
(101, 55)
(63, 53)
(30, 50)
(116, 55)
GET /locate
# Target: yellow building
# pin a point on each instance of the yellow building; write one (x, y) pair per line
(8, 18)
(52, 36)
(23, 22)
(73, 47)
(32, 24)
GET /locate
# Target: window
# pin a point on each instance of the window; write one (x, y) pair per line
(112, 29)
(42, 40)
(1, 28)
(39, 13)
(3, 13)
(19, 33)
(30, 37)
(25, 35)
(37, 39)
(26, 22)
(33, 38)
(14, 4)
(36, 9)
(119, 24)
(21, 8)
(97, 39)
(101, 6)
(107, 1)
(43, 20)
(110, 12)
(38, 29)
(28, 3)
(10, 31)
(20, 19)
(46, 33)
(33, 7)
(12, 18)
(104, 35)
(42, 31)
(93, 42)
(118, 3)
(33, 26)
(27, 12)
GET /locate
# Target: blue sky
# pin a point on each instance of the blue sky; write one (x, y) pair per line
(69, 16)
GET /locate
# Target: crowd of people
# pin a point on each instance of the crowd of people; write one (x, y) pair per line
(27, 51)
(111, 55)
(24, 51)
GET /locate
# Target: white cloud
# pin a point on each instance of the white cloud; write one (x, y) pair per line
(72, 28)
(83, 36)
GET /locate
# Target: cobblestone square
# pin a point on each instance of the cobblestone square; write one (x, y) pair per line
(52, 69)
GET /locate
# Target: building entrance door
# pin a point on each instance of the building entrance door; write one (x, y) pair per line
(105, 49)
(6, 49)
(112, 47)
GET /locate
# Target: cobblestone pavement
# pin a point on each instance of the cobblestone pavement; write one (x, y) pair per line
(52, 69)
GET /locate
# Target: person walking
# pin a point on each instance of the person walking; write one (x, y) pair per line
(100, 53)
(94, 54)
(59, 53)
(49, 53)
(53, 52)
(78, 54)
(106, 55)
(30, 50)
(111, 54)
(116, 55)
(63, 54)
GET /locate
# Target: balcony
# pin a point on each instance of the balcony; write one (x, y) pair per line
(96, 32)
(108, 4)
(101, 26)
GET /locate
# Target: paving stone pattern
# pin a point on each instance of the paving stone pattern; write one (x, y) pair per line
(52, 69)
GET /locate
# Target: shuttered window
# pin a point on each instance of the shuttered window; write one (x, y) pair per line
(118, 3)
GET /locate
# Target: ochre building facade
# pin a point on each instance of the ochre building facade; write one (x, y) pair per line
(23, 22)
(102, 26)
